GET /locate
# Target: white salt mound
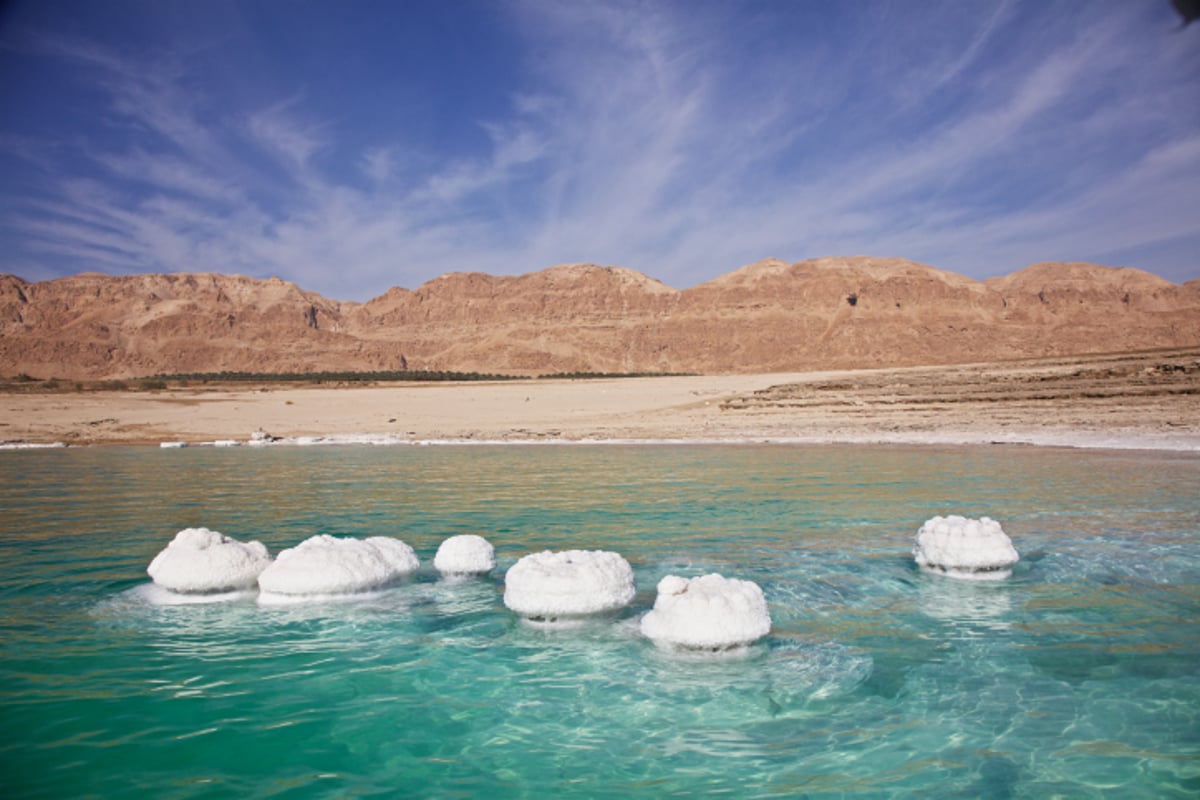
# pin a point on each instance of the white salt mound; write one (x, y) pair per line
(571, 583)
(202, 561)
(707, 613)
(976, 549)
(465, 554)
(323, 565)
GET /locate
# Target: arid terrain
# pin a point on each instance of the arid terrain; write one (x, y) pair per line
(1142, 400)
(832, 349)
(1151, 396)
(768, 317)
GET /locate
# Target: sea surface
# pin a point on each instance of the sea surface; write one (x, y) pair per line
(1077, 677)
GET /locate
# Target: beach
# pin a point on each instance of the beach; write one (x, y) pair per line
(1145, 400)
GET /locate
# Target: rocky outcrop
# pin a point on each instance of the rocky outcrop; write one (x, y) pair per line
(768, 316)
(97, 326)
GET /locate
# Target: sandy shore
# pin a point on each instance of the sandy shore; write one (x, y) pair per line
(1128, 401)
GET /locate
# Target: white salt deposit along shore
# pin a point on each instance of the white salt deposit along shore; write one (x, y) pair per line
(200, 561)
(325, 565)
(465, 554)
(377, 439)
(972, 549)
(564, 586)
(711, 613)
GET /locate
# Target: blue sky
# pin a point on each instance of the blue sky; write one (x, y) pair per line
(354, 146)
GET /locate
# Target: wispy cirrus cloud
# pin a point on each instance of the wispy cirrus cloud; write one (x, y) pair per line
(283, 137)
(680, 140)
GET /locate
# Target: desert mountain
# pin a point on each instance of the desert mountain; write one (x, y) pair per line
(767, 316)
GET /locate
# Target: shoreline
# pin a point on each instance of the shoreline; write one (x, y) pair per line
(1064, 441)
(1148, 401)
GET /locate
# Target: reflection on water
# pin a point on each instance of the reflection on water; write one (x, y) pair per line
(970, 607)
(1078, 676)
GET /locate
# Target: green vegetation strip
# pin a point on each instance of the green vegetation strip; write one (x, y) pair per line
(26, 383)
(335, 377)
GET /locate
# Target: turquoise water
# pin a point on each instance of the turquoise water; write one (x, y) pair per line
(1077, 677)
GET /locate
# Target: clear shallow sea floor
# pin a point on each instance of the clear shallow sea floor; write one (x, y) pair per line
(1077, 677)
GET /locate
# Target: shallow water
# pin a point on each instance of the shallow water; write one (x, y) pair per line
(1077, 677)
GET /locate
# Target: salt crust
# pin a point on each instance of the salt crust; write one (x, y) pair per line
(202, 561)
(710, 612)
(328, 565)
(974, 549)
(1076, 439)
(571, 583)
(465, 554)
(155, 595)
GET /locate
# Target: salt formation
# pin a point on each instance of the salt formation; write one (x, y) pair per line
(325, 565)
(548, 586)
(965, 548)
(465, 554)
(202, 561)
(707, 613)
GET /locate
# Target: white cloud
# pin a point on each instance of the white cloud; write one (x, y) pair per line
(169, 174)
(283, 137)
(378, 164)
(512, 146)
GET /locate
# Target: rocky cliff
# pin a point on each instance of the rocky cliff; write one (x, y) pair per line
(768, 316)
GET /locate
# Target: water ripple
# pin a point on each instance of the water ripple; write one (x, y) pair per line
(1080, 676)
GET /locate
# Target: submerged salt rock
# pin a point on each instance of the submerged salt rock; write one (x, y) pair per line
(707, 613)
(465, 554)
(965, 548)
(571, 583)
(202, 561)
(324, 564)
